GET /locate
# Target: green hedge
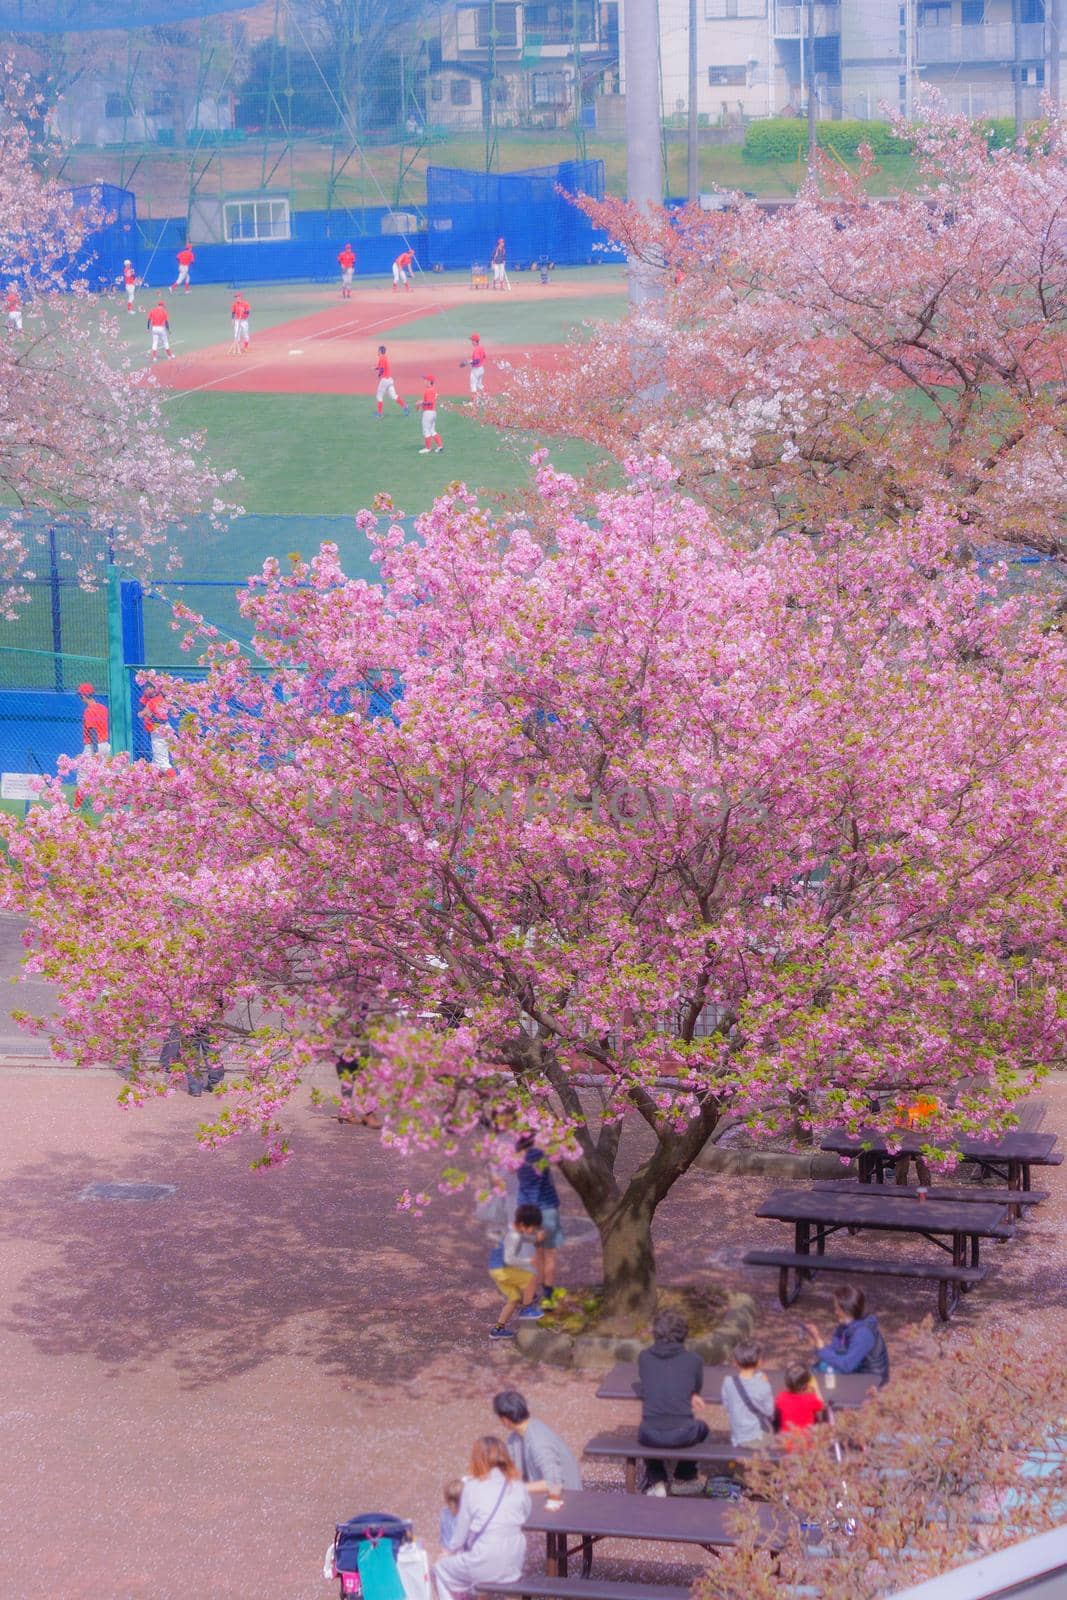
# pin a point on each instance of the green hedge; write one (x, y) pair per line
(786, 139)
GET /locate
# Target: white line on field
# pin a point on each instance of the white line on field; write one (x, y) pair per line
(176, 394)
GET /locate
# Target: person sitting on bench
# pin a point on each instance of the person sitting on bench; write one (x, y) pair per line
(544, 1461)
(856, 1344)
(670, 1379)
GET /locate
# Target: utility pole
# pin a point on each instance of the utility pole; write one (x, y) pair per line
(1053, 22)
(813, 142)
(489, 112)
(909, 57)
(644, 158)
(692, 165)
(1016, 68)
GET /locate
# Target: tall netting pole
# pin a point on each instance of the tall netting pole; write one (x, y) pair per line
(644, 158)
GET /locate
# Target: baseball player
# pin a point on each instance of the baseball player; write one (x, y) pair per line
(386, 386)
(96, 735)
(476, 365)
(240, 311)
(154, 712)
(428, 406)
(129, 283)
(13, 308)
(403, 270)
(159, 328)
(346, 260)
(499, 260)
(185, 261)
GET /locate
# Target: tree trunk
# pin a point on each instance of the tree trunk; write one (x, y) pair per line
(629, 1265)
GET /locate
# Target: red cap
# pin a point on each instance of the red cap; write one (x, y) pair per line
(86, 688)
(428, 377)
(475, 339)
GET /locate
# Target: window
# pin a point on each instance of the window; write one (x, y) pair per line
(1031, 10)
(549, 89)
(972, 13)
(722, 76)
(935, 14)
(554, 22)
(437, 90)
(459, 92)
(716, 10)
(507, 27)
(160, 103)
(118, 105)
(251, 220)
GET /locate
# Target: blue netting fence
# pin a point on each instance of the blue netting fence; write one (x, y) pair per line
(466, 212)
(66, 634)
(86, 16)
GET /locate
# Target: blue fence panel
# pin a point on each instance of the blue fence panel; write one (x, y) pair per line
(37, 726)
(468, 211)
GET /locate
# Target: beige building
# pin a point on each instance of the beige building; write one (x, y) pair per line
(544, 63)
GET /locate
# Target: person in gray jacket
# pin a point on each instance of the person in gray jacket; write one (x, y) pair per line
(542, 1458)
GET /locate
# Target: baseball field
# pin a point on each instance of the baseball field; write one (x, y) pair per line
(295, 415)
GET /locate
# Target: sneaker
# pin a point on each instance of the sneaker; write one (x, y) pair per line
(530, 1314)
(378, 416)
(425, 450)
(405, 410)
(501, 1333)
(438, 449)
(658, 1491)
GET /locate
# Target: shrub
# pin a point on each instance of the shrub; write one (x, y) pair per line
(785, 139)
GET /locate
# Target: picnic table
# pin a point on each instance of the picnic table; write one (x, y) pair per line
(818, 1213)
(1009, 1156)
(849, 1391)
(589, 1516)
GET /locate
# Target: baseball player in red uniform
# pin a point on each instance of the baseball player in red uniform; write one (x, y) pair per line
(13, 308)
(428, 406)
(185, 261)
(240, 311)
(159, 328)
(129, 283)
(346, 260)
(477, 366)
(403, 270)
(386, 386)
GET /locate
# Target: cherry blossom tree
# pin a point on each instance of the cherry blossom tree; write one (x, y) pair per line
(81, 430)
(847, 356)
(578, 818)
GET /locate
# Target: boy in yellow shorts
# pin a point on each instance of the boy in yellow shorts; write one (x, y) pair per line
(515, 1268)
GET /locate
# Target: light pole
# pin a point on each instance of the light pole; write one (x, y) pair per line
(692, 166)
(644, 159)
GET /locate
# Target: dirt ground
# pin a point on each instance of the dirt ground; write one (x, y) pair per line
(197, 1387)
(335, 351)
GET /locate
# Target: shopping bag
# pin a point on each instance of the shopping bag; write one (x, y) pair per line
(413, 1565)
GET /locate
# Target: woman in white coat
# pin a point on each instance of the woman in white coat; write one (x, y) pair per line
(488, 1545)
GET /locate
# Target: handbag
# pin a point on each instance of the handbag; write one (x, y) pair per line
(472, 1538)
(765, 1421)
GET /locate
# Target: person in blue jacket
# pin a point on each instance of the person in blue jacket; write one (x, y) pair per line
(856, 1344)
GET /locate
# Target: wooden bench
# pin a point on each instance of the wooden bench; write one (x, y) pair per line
(542, 1587)
(622, 1444)
(949, 1279)
(975, 1192)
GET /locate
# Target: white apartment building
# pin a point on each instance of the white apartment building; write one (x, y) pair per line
(752, 61)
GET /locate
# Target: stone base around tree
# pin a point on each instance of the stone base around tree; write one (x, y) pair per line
(599, 1351)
